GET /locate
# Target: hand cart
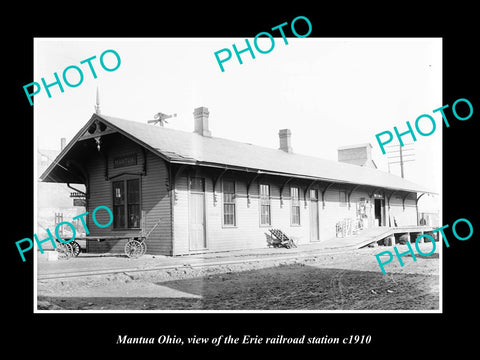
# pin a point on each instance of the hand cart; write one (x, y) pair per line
(135, 247)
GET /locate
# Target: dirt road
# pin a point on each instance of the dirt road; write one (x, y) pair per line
(344, 281)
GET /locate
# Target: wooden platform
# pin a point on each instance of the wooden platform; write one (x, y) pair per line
(369, 236)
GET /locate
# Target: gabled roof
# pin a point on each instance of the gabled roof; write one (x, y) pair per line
(183, 147)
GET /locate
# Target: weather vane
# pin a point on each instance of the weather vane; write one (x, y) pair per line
(161, 118)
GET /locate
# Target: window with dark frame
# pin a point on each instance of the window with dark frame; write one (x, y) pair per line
(133, 203)
(295, 198)
(197, 184)
(126, 204)
(265, 218)
(118, 204)
(229, 209)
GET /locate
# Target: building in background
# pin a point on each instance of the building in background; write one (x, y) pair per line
(54, 203)
(360, 155)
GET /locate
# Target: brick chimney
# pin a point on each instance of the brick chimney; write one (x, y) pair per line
(284, 136)
(63, 142)
(200, 116)
(360, 155)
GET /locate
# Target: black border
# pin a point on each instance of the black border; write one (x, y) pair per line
(395, 333)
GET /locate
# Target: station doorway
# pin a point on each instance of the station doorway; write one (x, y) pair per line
(379, 206)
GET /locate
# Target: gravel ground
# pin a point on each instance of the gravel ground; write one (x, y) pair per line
(344, 281)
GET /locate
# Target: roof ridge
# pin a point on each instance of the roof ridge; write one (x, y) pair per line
(227, 152)
(192, 133)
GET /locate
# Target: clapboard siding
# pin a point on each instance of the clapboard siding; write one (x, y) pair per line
(156, 204)
(155, 200)
(171, 237)
(248, 233)
(180, 217)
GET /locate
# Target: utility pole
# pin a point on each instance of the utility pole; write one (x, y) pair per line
(401, 162)
(403, 156)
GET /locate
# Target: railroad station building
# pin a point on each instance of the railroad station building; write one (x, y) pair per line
(192, 192)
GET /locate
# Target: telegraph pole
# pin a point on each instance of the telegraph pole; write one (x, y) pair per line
(403, 156)
(401, 162)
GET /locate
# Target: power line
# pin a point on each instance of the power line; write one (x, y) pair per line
(394, 146)
(401, 156)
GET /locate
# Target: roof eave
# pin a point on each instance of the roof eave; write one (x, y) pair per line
(299, 176)
(65, 150)
(45, 175)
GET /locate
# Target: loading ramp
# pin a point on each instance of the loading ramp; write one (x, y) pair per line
(370, 236)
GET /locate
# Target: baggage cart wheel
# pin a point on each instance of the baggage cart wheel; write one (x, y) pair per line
(143, 244)
(75, 248)
(65, 251)
(133, 248)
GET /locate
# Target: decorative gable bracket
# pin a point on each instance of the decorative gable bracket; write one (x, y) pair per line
(96, 131)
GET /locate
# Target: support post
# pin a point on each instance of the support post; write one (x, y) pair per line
(391, 240)
(408, 237)
(420, 241)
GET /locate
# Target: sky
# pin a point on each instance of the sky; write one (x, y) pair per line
(330, 92)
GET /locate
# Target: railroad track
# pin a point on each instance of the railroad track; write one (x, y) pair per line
(194, 264)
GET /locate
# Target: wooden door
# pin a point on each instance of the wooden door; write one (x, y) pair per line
(197, 238)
